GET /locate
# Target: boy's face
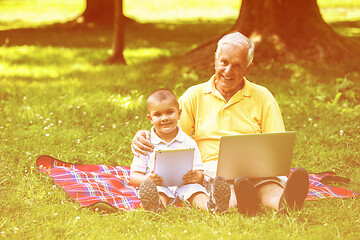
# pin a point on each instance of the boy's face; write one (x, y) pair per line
(164, 115)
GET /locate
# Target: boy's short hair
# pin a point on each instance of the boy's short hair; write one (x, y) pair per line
(160, 95)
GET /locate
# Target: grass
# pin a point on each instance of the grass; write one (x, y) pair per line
(57, 99)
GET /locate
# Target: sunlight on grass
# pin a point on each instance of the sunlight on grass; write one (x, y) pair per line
(164, 10)
(42, 11)
(337, 3)
(138, 55)
(127, 102)
(29, 71)
(174, 13)
(34, 62)
(340, 14)
(348, 31)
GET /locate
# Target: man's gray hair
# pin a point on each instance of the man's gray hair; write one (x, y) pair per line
(236, 39)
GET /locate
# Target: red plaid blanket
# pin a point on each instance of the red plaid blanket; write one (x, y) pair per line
(90, 184)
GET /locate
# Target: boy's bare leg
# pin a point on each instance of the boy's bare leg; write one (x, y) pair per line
(164, 199)
(233, 202)
(199, 200)
(269, 194)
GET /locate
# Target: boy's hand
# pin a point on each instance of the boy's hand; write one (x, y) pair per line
(192, 176)
(140, 143)
(156, 179)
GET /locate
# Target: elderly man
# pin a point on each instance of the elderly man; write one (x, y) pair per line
(229, 104)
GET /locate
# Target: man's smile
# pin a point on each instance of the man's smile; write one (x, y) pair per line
(227, 78)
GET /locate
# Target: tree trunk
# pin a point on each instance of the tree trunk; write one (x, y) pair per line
(286, 31)
(100, 12)
(118, 43)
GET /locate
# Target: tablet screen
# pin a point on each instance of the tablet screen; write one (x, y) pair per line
(173, 164)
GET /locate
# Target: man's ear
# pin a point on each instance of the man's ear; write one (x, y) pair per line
(249, 68)
(215, 61)
(179, 115)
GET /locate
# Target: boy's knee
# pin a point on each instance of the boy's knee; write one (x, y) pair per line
(164, 198)
(199, 197)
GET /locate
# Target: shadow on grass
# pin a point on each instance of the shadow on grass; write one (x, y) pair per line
(352, 24)
(138, 35)
(48, 45)
(168, 35)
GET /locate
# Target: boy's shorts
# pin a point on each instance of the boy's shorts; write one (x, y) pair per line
(182, 193)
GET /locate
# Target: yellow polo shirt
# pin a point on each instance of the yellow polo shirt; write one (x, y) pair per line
(206, 116)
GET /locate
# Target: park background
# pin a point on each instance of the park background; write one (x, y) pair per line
(58, 98)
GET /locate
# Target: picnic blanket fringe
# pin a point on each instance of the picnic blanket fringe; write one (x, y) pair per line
(108, 186)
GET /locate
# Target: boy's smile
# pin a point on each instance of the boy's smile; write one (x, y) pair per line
(164, 115)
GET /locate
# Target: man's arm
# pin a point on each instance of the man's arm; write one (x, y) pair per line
(141, 144)
(272, 119)
(187, 121)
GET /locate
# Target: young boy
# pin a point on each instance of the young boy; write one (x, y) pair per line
(164, 114)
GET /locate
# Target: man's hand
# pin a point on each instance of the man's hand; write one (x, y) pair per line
(193, 176)
(140, 143)
(156, 179)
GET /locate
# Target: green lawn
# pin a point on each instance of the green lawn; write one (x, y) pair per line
(57, 98)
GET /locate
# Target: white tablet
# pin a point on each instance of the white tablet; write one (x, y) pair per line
(173, 164)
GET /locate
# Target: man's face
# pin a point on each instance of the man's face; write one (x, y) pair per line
(230, 68)
(164, 115)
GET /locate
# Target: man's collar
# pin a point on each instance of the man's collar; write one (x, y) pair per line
(246, 89)
(155, 139)
(210, 87)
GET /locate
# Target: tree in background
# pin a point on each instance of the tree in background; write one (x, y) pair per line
(98, 12)
(286, 31)
(110, 13)
(283, 30)
(118, 43)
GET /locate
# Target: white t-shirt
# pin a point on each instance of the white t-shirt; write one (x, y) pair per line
(145, 164)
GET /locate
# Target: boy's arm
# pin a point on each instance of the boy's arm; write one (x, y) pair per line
(136, 178)
(194, 176)
(197, 174)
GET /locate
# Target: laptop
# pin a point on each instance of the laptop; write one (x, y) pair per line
(255, 155)
(173, 164)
